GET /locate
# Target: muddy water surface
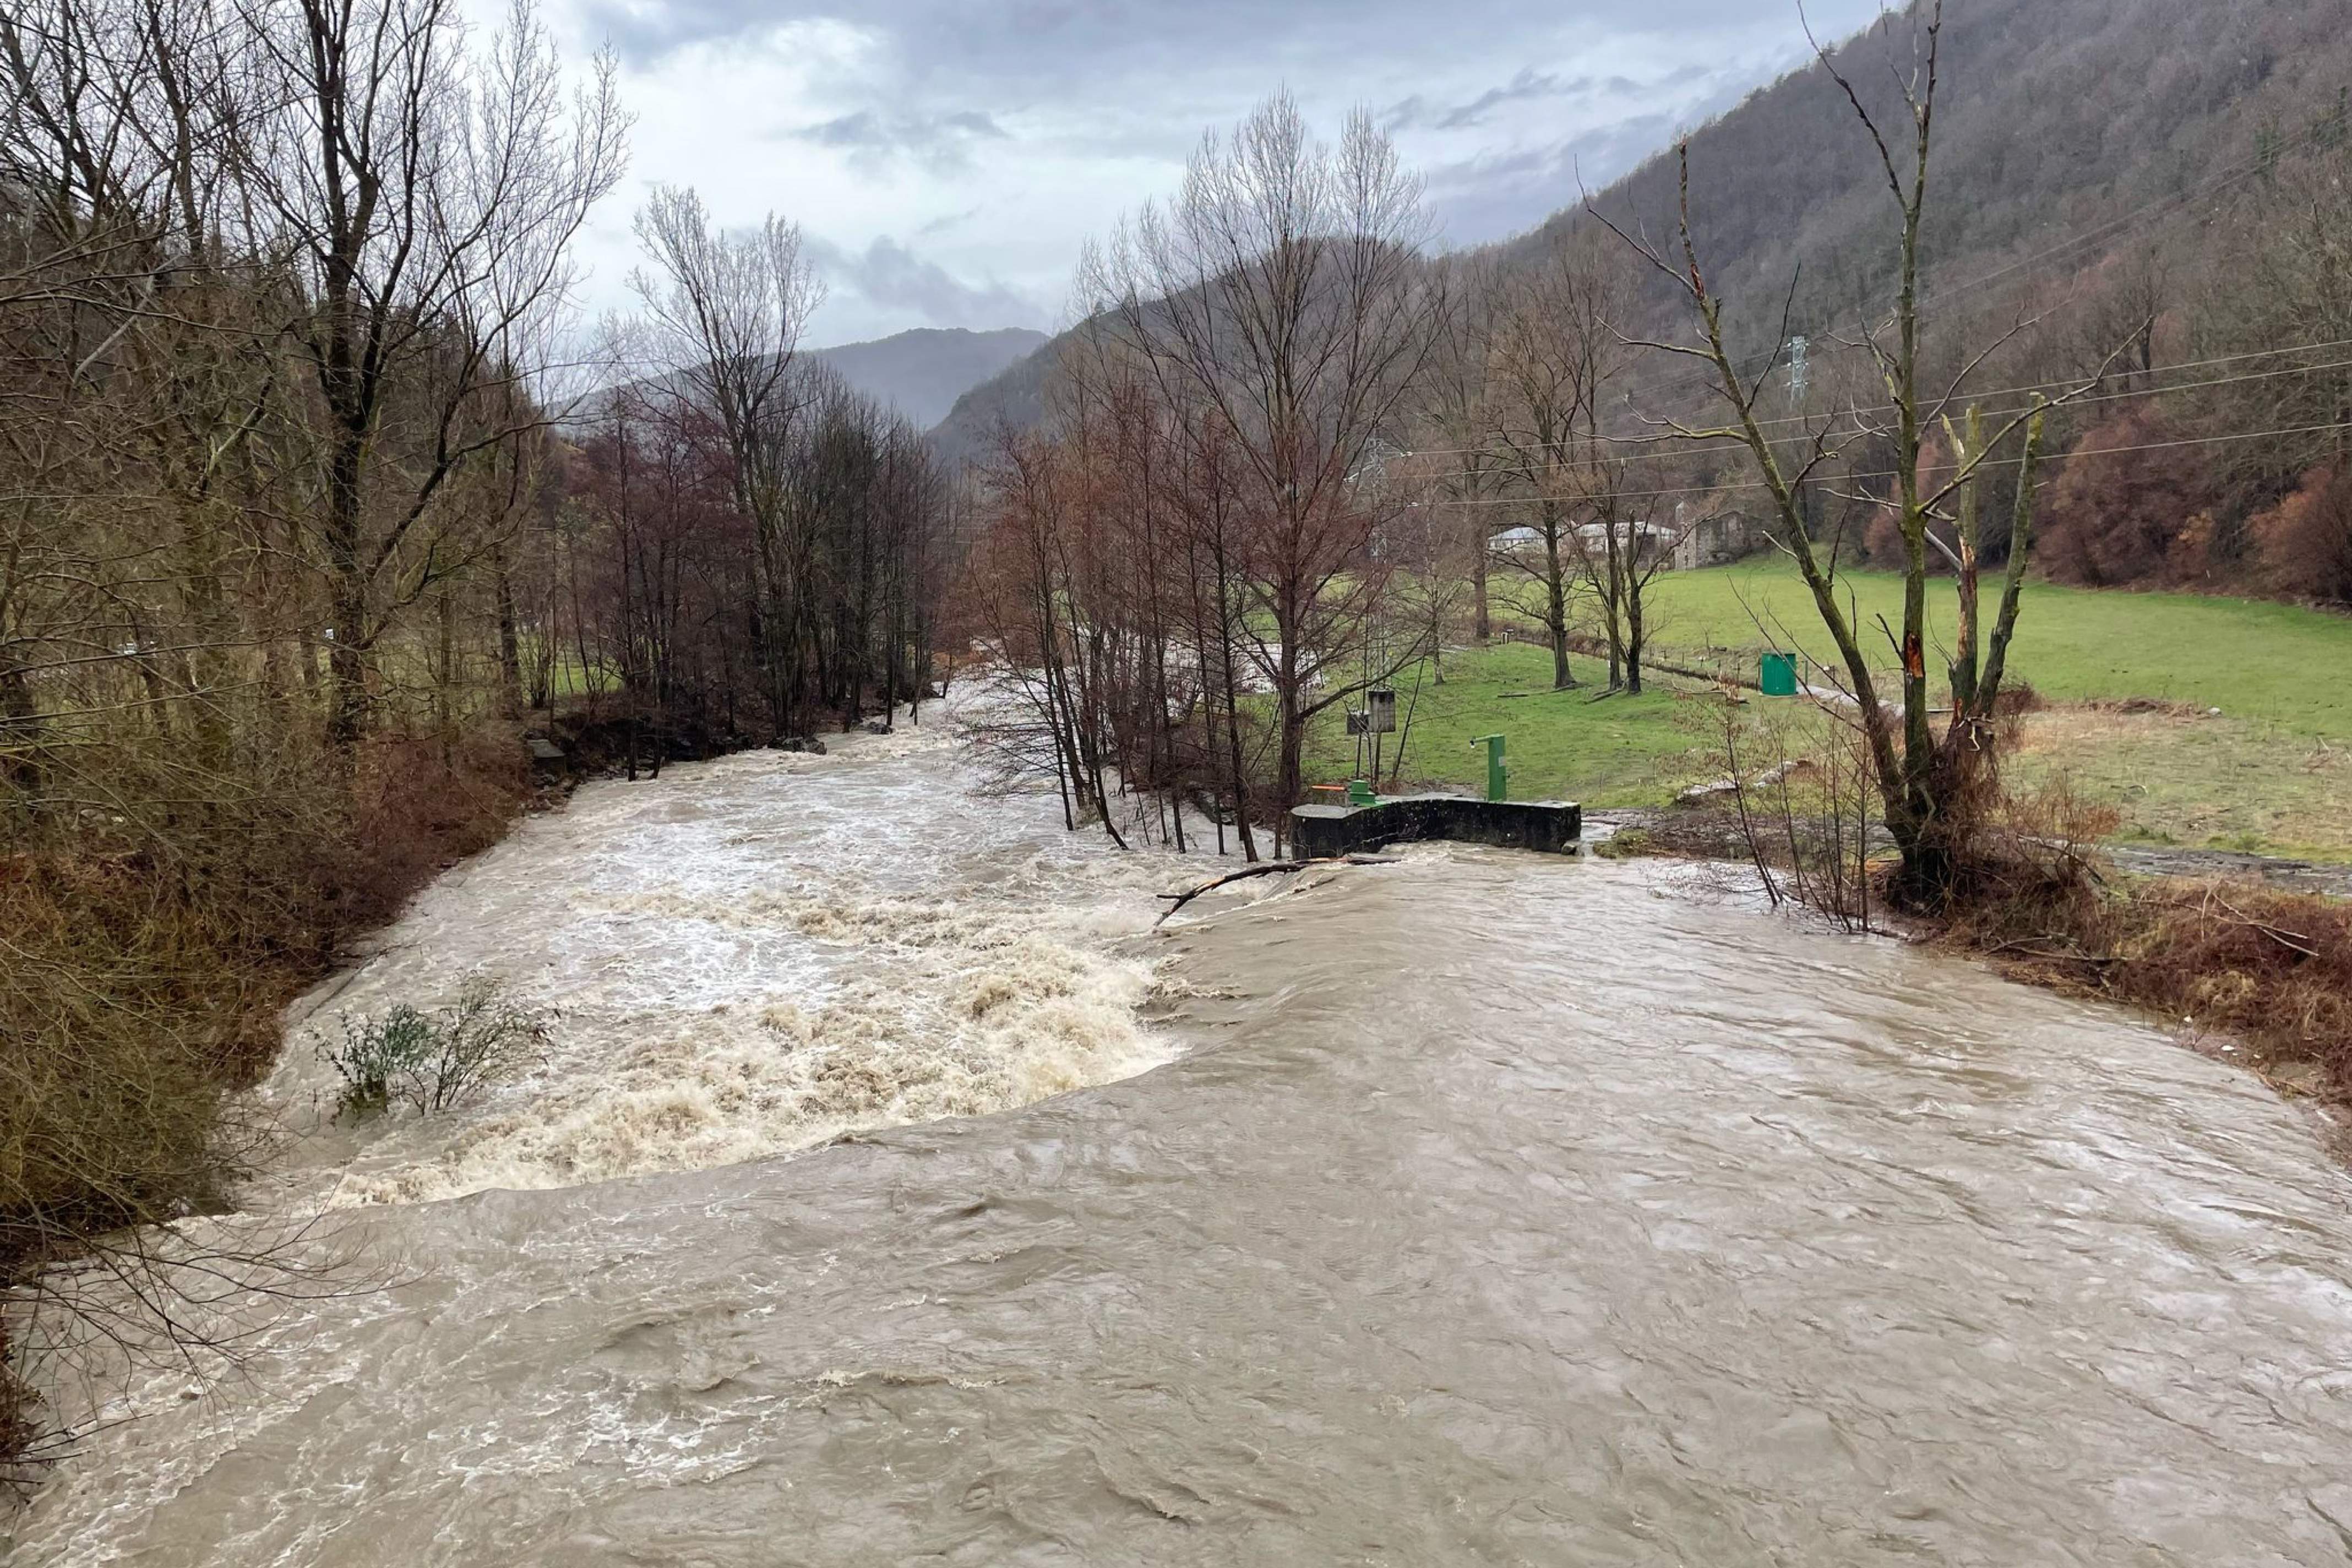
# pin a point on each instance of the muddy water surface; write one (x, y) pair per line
(1486, 1210)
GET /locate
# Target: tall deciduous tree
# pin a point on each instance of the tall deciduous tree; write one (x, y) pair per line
(1282, 294)
(1923, 778)
(728, 311)
(426, 196)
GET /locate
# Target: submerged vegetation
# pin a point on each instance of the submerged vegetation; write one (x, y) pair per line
(432, 1061)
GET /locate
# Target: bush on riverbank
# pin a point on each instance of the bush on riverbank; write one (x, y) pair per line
(146, 962)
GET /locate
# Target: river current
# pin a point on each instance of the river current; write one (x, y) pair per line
(893, 1193)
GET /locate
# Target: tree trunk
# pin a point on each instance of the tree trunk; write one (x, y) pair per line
(510, 638)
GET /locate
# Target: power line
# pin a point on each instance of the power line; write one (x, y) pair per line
(2096, 234)
(1995, 414)
(1896, 473)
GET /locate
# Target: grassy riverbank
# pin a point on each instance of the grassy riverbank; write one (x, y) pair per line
(2132, 680)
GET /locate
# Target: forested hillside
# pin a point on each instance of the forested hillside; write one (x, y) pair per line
(2120, 186)
(1013, 396)
(2069, 132)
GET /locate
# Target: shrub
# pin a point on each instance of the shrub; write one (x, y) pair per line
(2305, 540)
(432, 1061)
(2127, 509)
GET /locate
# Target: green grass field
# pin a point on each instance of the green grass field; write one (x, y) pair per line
(2273, 771)
(1625, 750)
(2251, 660)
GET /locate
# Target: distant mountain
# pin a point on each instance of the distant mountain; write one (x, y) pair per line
(1015, 396)
(923, 373)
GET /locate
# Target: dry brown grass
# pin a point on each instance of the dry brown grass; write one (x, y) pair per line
(2267, 967)
(2182, 776)
(2261, 965)
(143, 967)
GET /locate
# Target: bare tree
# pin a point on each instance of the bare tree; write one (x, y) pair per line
(276, 284)
(426, 198)
(1456, 404)
(728, 312)
(1282, 294)
(1925, 780)
(1560, 350)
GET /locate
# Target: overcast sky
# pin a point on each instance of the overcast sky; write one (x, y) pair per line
(946, 158)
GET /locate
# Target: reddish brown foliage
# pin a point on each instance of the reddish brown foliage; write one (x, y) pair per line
(2305, 542)
(2121, 518)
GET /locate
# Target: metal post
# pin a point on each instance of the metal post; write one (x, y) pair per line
(1499, 777)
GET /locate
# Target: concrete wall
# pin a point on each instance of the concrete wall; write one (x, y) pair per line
(1546, 827)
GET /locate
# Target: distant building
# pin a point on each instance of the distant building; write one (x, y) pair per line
(1646, 541)
(1718, 539)
(1522, 545)
(1585, 542)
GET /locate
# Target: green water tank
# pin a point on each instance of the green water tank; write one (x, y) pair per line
(1780, 675)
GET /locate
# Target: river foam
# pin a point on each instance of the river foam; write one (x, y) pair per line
(745, 958)
(1497, 1209)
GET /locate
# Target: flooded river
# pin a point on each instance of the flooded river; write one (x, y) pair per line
(1477, 1209)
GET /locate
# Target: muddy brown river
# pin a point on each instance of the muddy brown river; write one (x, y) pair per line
(1477, 1209)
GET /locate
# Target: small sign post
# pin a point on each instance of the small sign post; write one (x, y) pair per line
(1499, 777)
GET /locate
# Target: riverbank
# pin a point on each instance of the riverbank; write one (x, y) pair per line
(141, 993)
(2248, 960)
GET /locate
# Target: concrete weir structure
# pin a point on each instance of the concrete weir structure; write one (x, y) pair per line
(1550, 828)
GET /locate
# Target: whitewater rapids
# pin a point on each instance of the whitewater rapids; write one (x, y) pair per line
(744, 958)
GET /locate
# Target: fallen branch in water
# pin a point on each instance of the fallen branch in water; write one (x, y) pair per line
(1269, 869)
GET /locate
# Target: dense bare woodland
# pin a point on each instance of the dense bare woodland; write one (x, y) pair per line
(293, 548)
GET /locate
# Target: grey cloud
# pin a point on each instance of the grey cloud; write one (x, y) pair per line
(1029, 45)
(946, 221)
(889, 275)
(1527, 85)
(942, 141)
(1488, 197)
(1495, 195)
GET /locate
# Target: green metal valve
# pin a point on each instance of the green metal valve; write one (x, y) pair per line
(1499, 777)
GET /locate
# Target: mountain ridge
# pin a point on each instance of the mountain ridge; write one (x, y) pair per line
(923, 372)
